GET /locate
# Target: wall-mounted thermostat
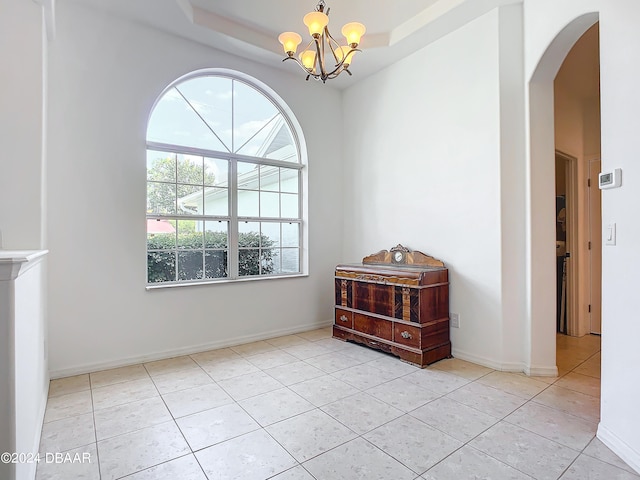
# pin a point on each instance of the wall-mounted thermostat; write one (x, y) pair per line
(610, 179)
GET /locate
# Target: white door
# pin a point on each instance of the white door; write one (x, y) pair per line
(595, 251)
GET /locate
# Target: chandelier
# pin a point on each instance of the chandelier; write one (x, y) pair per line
(312, 59)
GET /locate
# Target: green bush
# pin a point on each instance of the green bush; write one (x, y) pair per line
(255, 256)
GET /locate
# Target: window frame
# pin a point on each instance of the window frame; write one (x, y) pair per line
(232, 218)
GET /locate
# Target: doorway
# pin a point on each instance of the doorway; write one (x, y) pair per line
(566, 242)
(545, 128)
(577, 136)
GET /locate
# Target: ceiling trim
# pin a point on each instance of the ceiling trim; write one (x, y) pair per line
(226, 26)
(421, 20)
(267, 40)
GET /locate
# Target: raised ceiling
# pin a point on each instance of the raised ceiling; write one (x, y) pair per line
(395, 28)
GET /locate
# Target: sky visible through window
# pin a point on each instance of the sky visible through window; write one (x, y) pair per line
(217, 114)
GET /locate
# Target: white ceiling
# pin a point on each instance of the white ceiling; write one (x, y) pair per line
(250, 28)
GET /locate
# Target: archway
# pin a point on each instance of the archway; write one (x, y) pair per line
(541, 198)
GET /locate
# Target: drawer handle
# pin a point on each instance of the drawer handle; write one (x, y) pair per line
(405, 334)
(344, 318)
(373, 343)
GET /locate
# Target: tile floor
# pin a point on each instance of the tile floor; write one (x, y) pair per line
(306, 406)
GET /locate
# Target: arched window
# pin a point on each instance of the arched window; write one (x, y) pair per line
(224, 182)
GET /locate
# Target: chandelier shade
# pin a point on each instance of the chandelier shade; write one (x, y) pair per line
(315, 22)
(290, 41)
(353, 32)
(308, 59)
(323, 58)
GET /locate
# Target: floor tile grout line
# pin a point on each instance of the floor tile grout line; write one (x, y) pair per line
(307, 360)
(502, 462)
(95, 434)
(604, 461)
(124, 477)
(396, 459)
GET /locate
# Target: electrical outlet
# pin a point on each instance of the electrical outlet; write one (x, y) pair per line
(455, 320)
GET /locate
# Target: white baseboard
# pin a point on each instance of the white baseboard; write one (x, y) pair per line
(229, 342)
(488, 362)
(619, 447)
(518, 367)
(541, 371)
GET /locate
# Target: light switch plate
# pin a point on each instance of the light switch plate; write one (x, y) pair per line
(610, 234)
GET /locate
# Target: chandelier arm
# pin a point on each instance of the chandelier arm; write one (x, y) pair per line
(309, 44)
(329, 40)
(306, 70)
(336, 71)
(320, 56)
(340, 66)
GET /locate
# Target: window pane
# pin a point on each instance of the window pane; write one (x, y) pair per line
(216, 201)
(211, 97)
(259, 141)
(175, 121)
(161, 166)
(190, 266)
(190, 200)
(270, 234)
(269, 178)
(216, 235)
(244, 167)
(188, 237)
(190, 169)
(161, 198)
(252, 114)
(248, 176)
(290, 234)
(160, 241)
(269, 206)
(280, 145)
(289, 180)
(270, 261)
(215, 263)
(249, 234)
(290, 260)
(161, 267)
(248, 203)
(249, 262)
(289, 207)
(216, 172)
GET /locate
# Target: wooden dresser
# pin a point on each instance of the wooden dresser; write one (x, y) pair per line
(396, 301)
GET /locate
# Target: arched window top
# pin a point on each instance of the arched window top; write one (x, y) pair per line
(225, 183)
(223, 113)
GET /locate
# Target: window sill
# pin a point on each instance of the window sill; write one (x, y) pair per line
(222, 281)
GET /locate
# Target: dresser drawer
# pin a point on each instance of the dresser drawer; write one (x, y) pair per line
(344, 318)
(407, 335)
(373, 326)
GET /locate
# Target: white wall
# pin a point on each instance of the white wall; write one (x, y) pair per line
(545, 20)
(22, 84)
(105, 74)
(423, 169)
(514, 353)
